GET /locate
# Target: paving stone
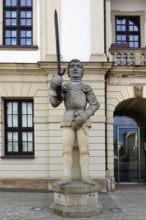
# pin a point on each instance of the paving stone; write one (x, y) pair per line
(119, 205)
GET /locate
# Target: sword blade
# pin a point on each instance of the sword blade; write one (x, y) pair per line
(57, 42)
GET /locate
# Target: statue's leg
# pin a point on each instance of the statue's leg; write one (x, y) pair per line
(68, 143)
(82, 139)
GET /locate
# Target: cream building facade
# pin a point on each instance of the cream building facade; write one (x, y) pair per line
(110, 41)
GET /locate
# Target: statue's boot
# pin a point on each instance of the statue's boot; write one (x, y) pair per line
(88, 180)
(65, 180)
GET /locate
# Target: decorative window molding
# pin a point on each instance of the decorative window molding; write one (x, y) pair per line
(136, 13)
(26, 39)
(19, 128)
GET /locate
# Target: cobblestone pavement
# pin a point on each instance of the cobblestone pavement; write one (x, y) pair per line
(118, 205)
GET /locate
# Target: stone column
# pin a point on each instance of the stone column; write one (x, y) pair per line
(48, 48)
(97, 31)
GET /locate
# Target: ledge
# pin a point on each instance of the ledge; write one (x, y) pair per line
(26, 48)
(18, 157)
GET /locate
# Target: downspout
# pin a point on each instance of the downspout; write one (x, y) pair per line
(105, 86)
(105, 45)
(105, 80)
(106, 148)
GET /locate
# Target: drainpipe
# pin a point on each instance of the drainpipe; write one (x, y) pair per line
(105, 45)
(105, 80)
(106, 148)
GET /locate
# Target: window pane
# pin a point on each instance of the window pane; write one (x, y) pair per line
(15, 141)
(14, 2)
(8, 2)
(23, 21)
(135, 28)
(24, 121)
(27, 141)
(7, 33)
(23, 3)
(26, 2)
(12, 139)
(124, 21)
(136, 38)
(14, 22)
(15, 136)
(22, 33)
(14, 42)
(15, 146)
(131, 37)
(118, 28)
(24, 108)
(28, 42)
(118, 37)
(9, 120)
(29, 108)
(24, 147)
(9, 107)
(14, 34)
(15, 121)
(30, 121)
(136, 44)
(123, 28)
(9, 139)
(28, 14)
(130, 28)
(8, 22)
(123, 38)
(23, 42)
(22, 14)
(30, 147)
(30, 136)
(28, 22)
(28, 33)
(24, 136)
(15, 108)
(14, 15)
(8, 14)
(29, 2)
(8, 41)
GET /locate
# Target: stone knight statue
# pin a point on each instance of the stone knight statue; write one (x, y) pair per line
(80, 103)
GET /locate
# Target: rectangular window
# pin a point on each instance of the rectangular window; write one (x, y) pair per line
(128, 30)
(17, 25)
(19, 129)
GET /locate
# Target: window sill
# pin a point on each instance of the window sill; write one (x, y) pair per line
(18, 157)
(26, 48)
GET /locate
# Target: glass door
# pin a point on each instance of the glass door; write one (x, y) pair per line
(127, 154)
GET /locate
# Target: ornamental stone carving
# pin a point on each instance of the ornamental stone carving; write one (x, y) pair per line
(138, 91)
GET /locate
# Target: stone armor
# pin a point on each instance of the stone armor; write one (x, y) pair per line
(76, 98)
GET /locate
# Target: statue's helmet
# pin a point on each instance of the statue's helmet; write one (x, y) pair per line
(75, 61)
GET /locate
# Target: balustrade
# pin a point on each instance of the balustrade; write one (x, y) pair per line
(124, 55)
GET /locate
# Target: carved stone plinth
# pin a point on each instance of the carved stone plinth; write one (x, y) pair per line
(76, 199)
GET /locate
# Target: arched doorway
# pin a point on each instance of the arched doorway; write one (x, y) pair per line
(130, 141)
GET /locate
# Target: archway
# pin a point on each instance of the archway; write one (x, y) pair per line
(130, 141)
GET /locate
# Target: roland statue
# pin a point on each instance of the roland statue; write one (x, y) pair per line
(80, 103)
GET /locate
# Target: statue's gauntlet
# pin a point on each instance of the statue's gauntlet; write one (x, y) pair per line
(55, 82)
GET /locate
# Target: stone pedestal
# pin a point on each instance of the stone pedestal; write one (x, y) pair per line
(76, 199)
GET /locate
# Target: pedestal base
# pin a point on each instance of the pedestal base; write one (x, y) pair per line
(76, 199)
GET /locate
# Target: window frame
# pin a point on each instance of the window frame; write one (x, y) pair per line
(125, 31)
(18, 27)
(141, 14)
(20, 129)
